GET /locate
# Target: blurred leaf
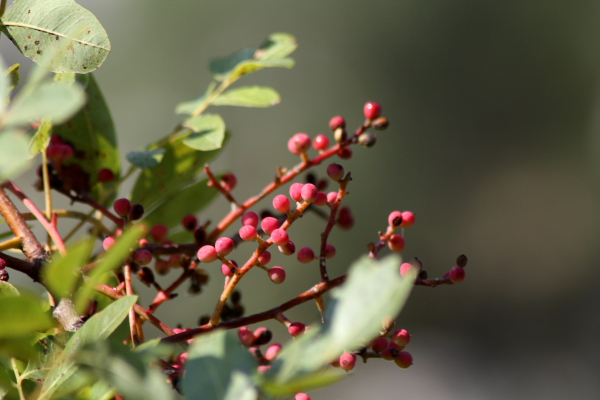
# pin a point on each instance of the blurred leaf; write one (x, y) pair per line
(63, 273)
(219, 368)
(306, 382)
(146, 159)
(41, 137)
(190, 200)
(14, 154)
(92, 133)
(75, 35)
(101, 390)
(249, 96)
(4, 86)
(22, 315)
(188, 107)
(277, 46)
(208, 132)
(178, 168)
(12, 74)
(6, 289)
(97, 328)
(181, 236)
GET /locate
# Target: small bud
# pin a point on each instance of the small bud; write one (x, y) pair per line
(296, 328)
(367, 139)
(380, 123)
(262, 336)
(461, 261)
(340, 135)
(137, 212)
(146, 276)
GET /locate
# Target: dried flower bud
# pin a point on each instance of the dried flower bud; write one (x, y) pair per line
(380, 123)
(340, 135)
(367, 139)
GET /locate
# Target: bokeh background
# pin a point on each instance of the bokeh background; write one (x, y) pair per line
(494, 143)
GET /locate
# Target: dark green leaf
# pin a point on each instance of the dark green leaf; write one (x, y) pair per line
(6, 289)
(79, 42)
(41, 138)
(14, 154)
(146, 159)
(188, 107)
(208, 132)
(22, 315)
(63, 273)
(249, 96)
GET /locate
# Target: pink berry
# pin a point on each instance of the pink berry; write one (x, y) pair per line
(281, 203)
(207, 254)
(296, 328)
(335, 363)
(2, 263)
(248, 233)
(372, 110)
(332, 197)
(457, 274)
(321, 199)
(302, 396)
(144, 242)
(265, 258)
(335, 171)
(108, 242)
(262, 369)
(296, 191)
(345, 153)
(406, 268)
(227, 271)
(182, 358)
(262, 336)
(287, 249)
(162, 267)
(122, 207)
(224, 245)
(246, 336)
(395, 216)
(280, 237)
(347, 361)
(396, 243)
(250, 218)
(189, 222)
(159, 232)
(379, 344)
(408, 219)
(401, 337)
(403, 359)
(337, 122)
(299, 143)
(306, 255)
(277, 274)
(142, 257)
(309, 192)
(228, 182)
(269, 224)
(330, 251)
(105, 175)
(389, 353)
(396, 347)
(272, 351)
(321, 142)
(345, 218)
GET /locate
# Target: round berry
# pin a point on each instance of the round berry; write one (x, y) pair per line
(372, 110)
(269, 224)
(182, 358)
(340, 135)
(395, 219)
(189, 222)
(142, 257)
(345, 153)
(200, 235)
(228, 182)
(396, 243)
(335, 171)
(281, 203)
(299, 143)
(175, 260)
(105, 175)
(162, 267)
(337, 122)
(250, 218)
(246, 336)
(332, 197)
(228, 271)
(367, 139)
(296, 328)
(264, 258)
(389, 353)
(122, 207)
(277, 274)
(321, 142)
(309, 192)
(330, 251)
(272, 351)
(262, 336)
(108, 242)
(159, 232)
(403, 359)
(136, 212)
(461, 261)
(287, 249)
(322, 184)
(379, 344)
(280, 237)
(306, 255)
(406, 268)
(401, 337)
(345, 218)
(248, 233)
(2, 263)
(302, 396)
(321, 199)
(296, 191)
(207, 254)
(347, 361)
(408, 219)
(224, 245)
(457, 274)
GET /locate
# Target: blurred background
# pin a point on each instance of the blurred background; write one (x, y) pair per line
(494, 143)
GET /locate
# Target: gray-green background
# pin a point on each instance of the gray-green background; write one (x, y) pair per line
(494, 143)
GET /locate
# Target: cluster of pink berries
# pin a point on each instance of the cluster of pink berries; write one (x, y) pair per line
(58, 151)
(398, 219)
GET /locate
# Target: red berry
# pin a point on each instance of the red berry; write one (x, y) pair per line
(264, 258)
(108, 242)
(296, 191)
(122, 207)
(281, 203)
(299, 143)
(280, 237)
(207, 254)
(269, 224)
(105, 175)
(246, 336)
(55, 139)
(189, 222)
(457, 274)
(248, 233)
(277, 274)
(335, 171)
(182, 358)
(142, 257)
(296, 328)
(347, 361)
(395, 219)
(379, 344)
(330, 251)
(309, 192)
(302, 396)
(273, 351)
(224, 245)
(321, 199)
(287, 249)
(403, 359)
(250, 218)
(228, 182)
(306, 255)
(227, 271)
(396, 243)
(372, 110)
(337, 122)
(262, 336)
(408, 219)
(389, 353)
(406, 268)
(345, 219)
(2, 263)
(332, 197)
(345, 153)
(321, 142)
(159, 232)
(401, 337)
(136, 212)
(162, 267)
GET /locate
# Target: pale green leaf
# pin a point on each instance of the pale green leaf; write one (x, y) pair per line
(41, 137)
(249, 96)
(22, 315)
(14, 154)
(6, 289)
(63, 273)
(146, 159)
(12, 73)
(188, 107)
(208, 132)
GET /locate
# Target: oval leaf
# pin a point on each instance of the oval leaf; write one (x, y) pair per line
(41, 137)
(208, 132)
(146, 159)
(14, 154)
(62, 274)
(249, 96)
(22, 315)
(6, 289)
(78, 40)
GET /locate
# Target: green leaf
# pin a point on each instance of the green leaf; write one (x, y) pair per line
(101, 390)
(178, 168)
(146, 159)
(77, 39)
(190, 200)
(4, 86)
(188, 107)
(22, 315)
(6, 290)
(63, 273)
(41, 137)
(14, 154)
(249, 96)
(12, 73)
(97, 328)
(92, 133)
(277, 46)
(219, 368)
(208, 132)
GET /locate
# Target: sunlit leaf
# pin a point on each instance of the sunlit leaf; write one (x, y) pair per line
(6, 289)
(14, 154)
(249, 96)
(62, 274)
(208, 132)
(22, 315)
(41, 137)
